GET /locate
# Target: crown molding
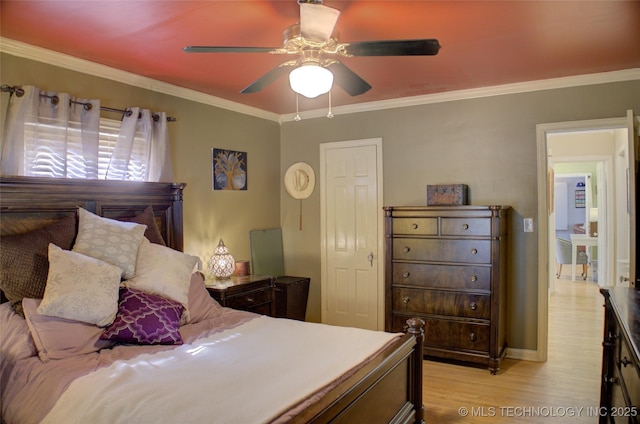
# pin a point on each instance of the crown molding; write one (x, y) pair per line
(475, 93)
(40, 54)
(28, 51)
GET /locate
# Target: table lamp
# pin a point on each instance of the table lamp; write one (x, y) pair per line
(222, 264)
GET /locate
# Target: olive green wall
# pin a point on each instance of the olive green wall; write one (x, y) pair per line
(208, 215)
(487, 143)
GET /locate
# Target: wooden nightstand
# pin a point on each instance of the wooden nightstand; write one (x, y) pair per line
(291, 297)
(252, 293)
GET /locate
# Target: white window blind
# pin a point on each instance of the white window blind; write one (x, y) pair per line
(43, 152)
(109, 129)
(48, 162)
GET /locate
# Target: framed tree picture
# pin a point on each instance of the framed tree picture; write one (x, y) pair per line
(229, 169)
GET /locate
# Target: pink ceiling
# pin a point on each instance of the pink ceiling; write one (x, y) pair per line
(484, 43)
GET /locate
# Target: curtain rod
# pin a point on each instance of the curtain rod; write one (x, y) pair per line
(19, 91)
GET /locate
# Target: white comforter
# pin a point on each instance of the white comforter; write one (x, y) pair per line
(248, 374)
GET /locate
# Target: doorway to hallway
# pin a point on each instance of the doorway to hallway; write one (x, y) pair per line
(576, 140)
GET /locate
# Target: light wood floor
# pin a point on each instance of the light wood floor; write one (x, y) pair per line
(526, 391)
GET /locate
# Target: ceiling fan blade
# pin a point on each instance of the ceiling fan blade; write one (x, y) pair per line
(223, 49)
(268, 78)
(317, 21)
(348, 80)
(424, 47)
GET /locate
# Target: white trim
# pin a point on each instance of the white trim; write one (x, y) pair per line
(543, 219)
(606, 243)
(28, 51)
(474, 93)
(61, 60)
(522, 354)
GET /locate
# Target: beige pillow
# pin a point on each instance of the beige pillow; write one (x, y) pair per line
(164, 272)
(80, 288)
(111, 241)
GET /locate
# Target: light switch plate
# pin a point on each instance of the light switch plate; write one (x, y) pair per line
(528, 225)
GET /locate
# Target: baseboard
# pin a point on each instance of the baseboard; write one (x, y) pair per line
(523, 354)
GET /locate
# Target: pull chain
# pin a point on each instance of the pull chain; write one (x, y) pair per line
(330, 113)
(297, 117)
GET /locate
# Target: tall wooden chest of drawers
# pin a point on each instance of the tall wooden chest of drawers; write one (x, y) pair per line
(447, 265)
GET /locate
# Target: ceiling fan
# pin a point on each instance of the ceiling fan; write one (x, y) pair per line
(315, 44)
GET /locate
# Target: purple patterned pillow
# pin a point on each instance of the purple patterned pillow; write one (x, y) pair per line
(145, 319)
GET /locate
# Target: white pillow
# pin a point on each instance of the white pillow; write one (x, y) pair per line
(164, 272)
(111, 241)
(80, 288)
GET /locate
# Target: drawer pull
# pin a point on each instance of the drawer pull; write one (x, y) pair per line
(625, 362)
(473, 337)
(405, 300)
(414, 226)
(249, 299)
(406, 274)
(406, 249)
(474, 251)
(465, 226)
(473, 306)
(474, 278)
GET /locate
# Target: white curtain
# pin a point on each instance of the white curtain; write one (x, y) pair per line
(160, 166)
(51, 134)
(62, 139)
(142, 149)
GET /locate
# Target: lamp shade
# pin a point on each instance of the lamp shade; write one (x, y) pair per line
(311, 80)
(222, 263)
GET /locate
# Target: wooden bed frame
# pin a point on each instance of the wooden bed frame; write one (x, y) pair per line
(387, 389)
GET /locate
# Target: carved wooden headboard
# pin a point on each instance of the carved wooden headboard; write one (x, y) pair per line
(28, 203)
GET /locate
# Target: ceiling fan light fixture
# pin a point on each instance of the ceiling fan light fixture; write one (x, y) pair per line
(311, 80)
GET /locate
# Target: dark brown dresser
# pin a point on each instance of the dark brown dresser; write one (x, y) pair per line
(447, 265)
(620, 383)
(291, 297)
(252, 293)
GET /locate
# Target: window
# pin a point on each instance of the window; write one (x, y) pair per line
(56, 136)
(48, 160)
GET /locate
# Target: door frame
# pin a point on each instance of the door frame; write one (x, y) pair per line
(377, 143)
(606, 266)
(544, 203)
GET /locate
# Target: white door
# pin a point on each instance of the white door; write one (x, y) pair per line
(352, 228)
(632, 158)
